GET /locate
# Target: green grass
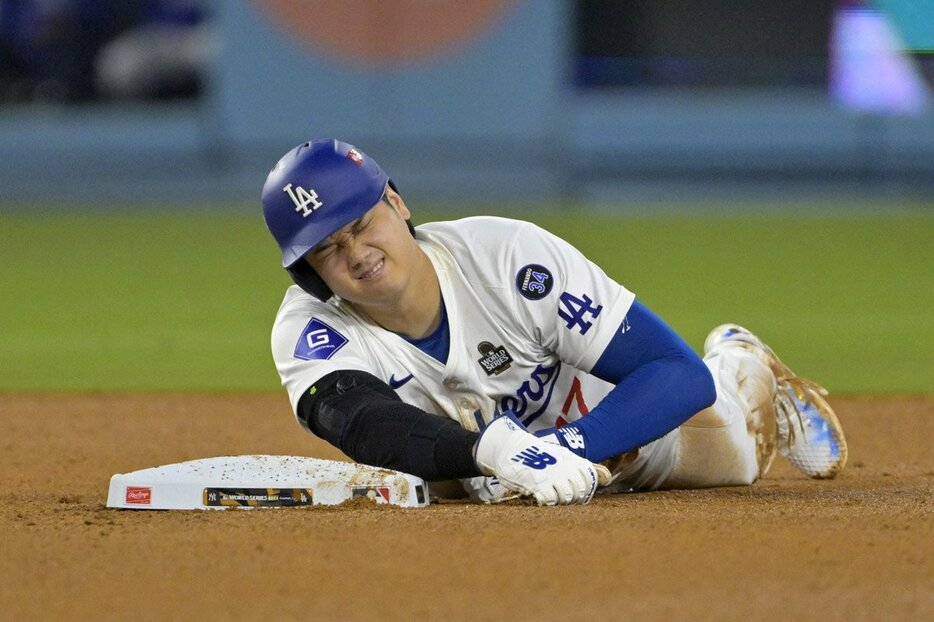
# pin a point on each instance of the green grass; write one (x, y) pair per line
(185, 301)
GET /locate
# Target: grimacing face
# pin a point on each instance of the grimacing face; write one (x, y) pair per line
(368, 262)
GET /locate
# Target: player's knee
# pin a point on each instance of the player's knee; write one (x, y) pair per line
(714, 455)
(744, 375)
(707, 388)
(698, 383)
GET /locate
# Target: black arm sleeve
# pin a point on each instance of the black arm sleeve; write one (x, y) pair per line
(362, 416)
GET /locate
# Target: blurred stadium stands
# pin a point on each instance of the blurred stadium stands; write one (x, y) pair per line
(148, 102)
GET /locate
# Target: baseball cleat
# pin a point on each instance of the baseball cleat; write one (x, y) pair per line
(809, 434)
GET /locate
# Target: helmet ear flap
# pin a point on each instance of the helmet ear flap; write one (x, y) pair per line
(306, 278)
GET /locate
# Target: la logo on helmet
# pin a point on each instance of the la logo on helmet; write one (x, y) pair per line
(303, 199)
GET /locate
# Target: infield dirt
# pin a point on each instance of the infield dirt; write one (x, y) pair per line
(860, 547)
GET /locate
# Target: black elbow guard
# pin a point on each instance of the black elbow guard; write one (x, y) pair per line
(362, 416)
(328, 406)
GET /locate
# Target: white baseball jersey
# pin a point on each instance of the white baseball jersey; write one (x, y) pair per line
(528, 316)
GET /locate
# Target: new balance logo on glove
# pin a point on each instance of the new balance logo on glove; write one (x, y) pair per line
(509, 452)
(573, 439)
(534, 458)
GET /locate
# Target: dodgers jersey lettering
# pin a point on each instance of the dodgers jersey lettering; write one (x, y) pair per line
(528, 315)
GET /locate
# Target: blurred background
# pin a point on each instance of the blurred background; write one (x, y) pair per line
(469, 101)
(768, 162)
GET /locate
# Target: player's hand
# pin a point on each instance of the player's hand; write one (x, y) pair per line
(551, 435)
(524, 464)
(483, 489)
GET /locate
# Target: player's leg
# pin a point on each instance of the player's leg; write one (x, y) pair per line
(713, 447)
(733, 441)
(760, 405)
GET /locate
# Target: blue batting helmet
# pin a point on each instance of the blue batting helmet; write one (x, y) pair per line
(313, 191)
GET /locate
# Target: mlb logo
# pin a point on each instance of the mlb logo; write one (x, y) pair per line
(380, 494)
(138, 495)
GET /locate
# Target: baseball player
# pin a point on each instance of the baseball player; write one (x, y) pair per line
(489, 351)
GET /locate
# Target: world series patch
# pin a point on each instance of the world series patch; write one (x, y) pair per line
(494, 360)
(534, 281)
(318, 341)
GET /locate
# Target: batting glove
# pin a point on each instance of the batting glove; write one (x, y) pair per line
(483, 489)
(568, 436)
(524, 464)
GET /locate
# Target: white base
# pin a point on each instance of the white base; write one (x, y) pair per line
(261, 481)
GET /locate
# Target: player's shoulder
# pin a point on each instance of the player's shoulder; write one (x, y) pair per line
(474, 224)
(301, 314)
(477, 232)
(297, 299)
(298, 306)
(489, 251)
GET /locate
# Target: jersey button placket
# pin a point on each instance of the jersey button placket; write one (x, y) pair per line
(468, 412)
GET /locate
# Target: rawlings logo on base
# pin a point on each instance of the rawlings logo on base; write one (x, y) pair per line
(139, 495)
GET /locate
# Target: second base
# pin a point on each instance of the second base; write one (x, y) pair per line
(261, 481)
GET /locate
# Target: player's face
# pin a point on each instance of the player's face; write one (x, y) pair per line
(367, 262)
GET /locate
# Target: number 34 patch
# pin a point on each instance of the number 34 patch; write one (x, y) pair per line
(534, 281)
(575, 311)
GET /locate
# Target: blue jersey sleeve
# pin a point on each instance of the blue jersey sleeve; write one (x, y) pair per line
(660, 383)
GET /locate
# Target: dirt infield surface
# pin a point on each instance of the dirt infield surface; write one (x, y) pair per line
(857, 548)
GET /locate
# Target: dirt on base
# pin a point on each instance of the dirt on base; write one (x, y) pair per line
(860, 547)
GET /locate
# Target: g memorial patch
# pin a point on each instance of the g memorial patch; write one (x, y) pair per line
(534, 281)
(318, 341)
